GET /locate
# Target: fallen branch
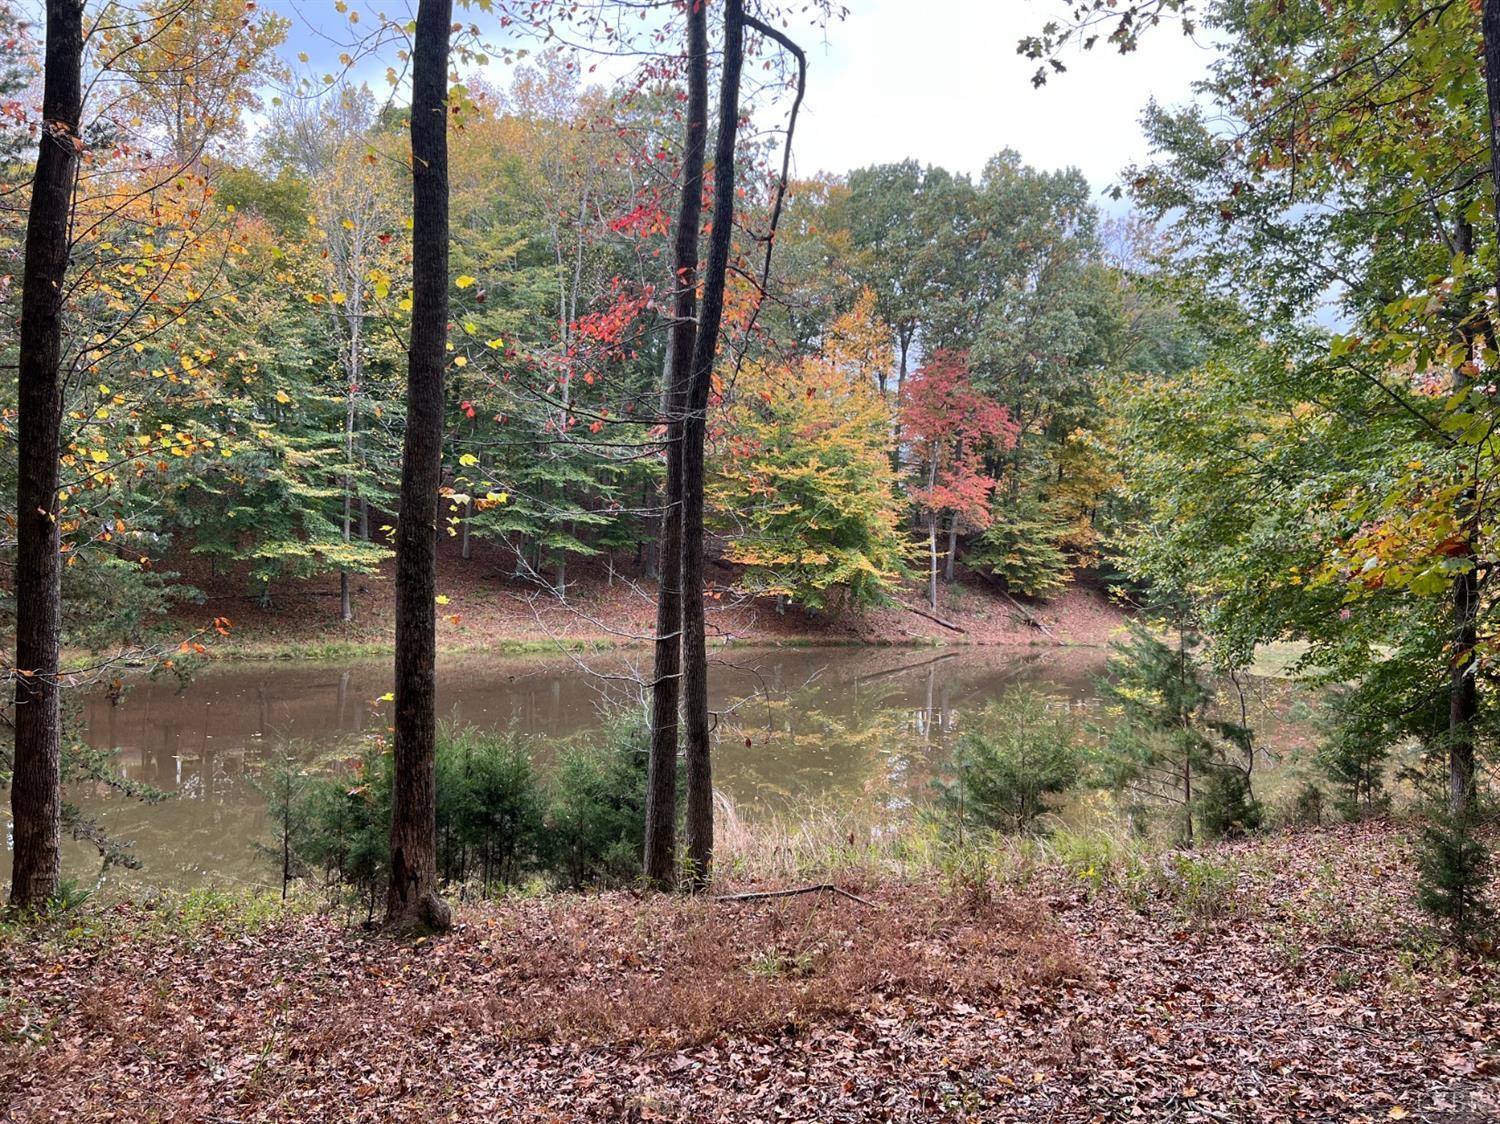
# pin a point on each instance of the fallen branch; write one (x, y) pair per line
(1028, 617)
(1026, 614)
(821, 888)
(929, 616)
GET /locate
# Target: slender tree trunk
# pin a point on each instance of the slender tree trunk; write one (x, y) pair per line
(412, 899)
(646, 546)
(932, 526)
(700, 794)
(932, 558)
(36, 786)
(355, 316)
(1187, 804)
(952, 548)
(661, 769)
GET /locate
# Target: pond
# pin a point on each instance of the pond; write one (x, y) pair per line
(797, 728)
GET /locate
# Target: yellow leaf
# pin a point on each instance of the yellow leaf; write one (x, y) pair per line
(464, 281)
(283, 397)
(442, 599)
(468, 459)
(460, 361)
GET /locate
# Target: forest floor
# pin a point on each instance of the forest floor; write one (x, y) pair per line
(1284, 978)
(487, 608)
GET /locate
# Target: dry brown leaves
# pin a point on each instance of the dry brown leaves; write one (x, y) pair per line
(1307, 995)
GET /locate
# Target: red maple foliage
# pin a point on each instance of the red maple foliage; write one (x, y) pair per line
(951, 425)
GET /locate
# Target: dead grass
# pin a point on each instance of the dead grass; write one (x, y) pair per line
(679, 973)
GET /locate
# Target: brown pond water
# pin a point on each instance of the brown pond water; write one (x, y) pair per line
(798, 728)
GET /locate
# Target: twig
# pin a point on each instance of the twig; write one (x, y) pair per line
(822, 887)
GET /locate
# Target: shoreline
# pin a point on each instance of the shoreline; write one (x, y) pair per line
(483, 609)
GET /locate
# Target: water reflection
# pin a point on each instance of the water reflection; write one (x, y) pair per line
(793, 728)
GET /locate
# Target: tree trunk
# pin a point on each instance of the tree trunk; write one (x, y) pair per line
(1187, 801)
(36, 786)
(952, 548)
(932, 558)
(412, 899)
(661, 779)
(932, 525)
(354, 315)
(345, 602)
(1463, 696)
(700, 794)
(903, 342)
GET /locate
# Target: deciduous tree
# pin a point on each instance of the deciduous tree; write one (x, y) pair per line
(412, 898)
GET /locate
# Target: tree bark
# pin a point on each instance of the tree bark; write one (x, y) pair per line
(412, 899)
(952, 548)
(700, 794)
(1463, 696)
(36, 787)
(661, 770)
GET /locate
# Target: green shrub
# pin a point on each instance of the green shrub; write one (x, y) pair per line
(489, 807)
(1022, 753)
(348, 833)
(1355, 750)
(596, 811)
(1453, 873)
(1226, 805)
(1308, 804)
(1166, 746)
(285, 782)
(499, 823)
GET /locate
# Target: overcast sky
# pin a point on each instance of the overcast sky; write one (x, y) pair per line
(938, 80)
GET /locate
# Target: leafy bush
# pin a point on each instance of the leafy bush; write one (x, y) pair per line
(1201, 888)
(1021, 753)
